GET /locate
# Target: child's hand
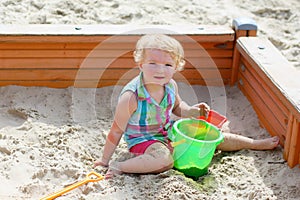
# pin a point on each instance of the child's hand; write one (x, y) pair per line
(99, 163)
(203, 109)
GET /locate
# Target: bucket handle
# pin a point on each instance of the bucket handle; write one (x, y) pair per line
(174, 144)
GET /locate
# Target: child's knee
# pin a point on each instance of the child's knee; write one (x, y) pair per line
(167, 159)
(163, 156)
(164, 161)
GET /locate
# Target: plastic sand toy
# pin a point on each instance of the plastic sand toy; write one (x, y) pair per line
(194, 142)
(90, 177)
(214, 118)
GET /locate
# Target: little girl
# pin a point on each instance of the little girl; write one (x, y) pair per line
(145, 106)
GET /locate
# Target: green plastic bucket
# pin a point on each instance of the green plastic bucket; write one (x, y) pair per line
(194, 143)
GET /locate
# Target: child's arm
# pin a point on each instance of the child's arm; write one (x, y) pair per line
(126, 106)
(112, 141)
(182, 109)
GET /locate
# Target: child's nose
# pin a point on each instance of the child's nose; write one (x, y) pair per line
(160, 68)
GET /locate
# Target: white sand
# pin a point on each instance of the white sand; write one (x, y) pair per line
(49, 138)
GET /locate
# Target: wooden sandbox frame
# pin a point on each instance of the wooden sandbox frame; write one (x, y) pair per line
(60, 56)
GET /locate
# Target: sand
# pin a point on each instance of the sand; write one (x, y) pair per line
(49, 138)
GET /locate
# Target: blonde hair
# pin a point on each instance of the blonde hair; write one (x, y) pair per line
(161, 42)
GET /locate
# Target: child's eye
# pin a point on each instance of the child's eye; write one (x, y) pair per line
(168, 65)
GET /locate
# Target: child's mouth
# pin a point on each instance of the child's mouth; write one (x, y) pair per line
(159, 77)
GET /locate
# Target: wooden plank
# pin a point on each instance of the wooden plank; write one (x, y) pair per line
(109, 38)
(252, 33)
(236, 54)
(64, 74)
(65, 84)
(262, 119)
(294, 150)
(65, 63)
(54, 53)
(266, 87)
(209, 45)
(205, 74)
(235, 66)
(55, 63)
(207, 82)
(104, 53)
(264, 110)
(268, 62)
(65, 53)
(277, 115)
(64, 38)
(282, 81)
(109, 45)
(271, 101)
(240, 33)
(289, 133)
(97, 74)
(66, 45)
(246, 33)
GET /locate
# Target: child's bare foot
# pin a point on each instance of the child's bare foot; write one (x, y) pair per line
(113, 170)
(266, 144)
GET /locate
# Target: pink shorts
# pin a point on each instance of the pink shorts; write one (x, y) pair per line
(141, 148)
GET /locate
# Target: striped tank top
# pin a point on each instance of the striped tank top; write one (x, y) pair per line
(151, 120)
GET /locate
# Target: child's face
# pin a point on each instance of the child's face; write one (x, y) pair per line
(158, 67)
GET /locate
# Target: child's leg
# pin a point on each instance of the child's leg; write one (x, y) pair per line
(157, 158)
(233, 142)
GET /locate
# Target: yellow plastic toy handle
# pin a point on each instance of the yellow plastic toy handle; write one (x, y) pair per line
(90, 177)
(174, 144)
